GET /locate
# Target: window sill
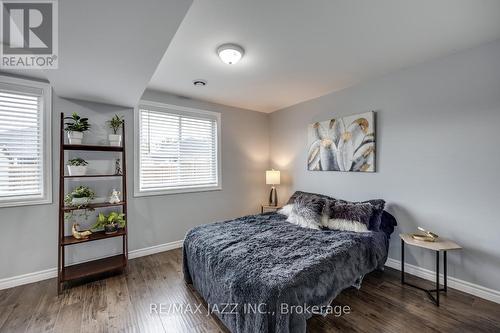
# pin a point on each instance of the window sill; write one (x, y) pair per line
(138, 193)
(34, 202)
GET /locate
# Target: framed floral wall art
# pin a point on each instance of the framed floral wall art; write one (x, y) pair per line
(342, 144)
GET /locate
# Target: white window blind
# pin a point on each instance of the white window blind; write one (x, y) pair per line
(178, 150)
(23, 146)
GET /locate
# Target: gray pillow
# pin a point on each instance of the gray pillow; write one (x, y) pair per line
(306, 211)
(349, 217)
(356, 212)
(377, 210)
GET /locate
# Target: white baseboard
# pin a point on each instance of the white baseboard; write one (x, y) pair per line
(466, 287)
(50, 273)
(18, 280)
(155, 249)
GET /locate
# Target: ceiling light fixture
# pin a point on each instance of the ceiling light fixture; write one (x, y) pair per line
(199, 83)
(230, 53)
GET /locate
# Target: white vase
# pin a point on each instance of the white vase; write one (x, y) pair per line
(115, 140)
(80, 201)
(77, 170)
(75, 138)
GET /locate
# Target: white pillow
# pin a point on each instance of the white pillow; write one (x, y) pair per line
(302, 221)
(344, 225)
(286, 210)
(324, 220)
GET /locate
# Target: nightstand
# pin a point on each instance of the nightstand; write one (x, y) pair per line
(440, 245)
(265, 208)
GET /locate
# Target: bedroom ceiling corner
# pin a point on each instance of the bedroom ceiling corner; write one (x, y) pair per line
(108, 50)
(298, 50)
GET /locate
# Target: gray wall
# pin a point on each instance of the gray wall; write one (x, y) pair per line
(438, 154)
(28, 236)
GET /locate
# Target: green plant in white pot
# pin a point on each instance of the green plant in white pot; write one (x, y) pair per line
(77, 167)
(110, 223)
(75, 127)
(80, 197)
(115, 124)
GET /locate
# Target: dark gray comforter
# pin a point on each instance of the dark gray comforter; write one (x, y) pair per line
(250, 270)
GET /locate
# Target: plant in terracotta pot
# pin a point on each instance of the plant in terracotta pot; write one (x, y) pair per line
(77, 167)
(80, 197)
(75, 127)
(115, 124)
(110, 223)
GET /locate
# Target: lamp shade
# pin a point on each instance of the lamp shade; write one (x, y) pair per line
(272, 177)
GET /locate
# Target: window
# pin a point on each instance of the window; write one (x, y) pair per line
(176, 149)
(25, 142)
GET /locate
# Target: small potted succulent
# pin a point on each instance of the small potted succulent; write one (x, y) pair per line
(77, 167)
(79, 197)
(110, 223)
(75, 128)
(115, 124)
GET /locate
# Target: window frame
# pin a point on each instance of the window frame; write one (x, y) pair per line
(180, 110)
(46, 147)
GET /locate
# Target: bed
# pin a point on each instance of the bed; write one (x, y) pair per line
(252, 269)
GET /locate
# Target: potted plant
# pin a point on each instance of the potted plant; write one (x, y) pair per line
(110, 223)
(75, 128)
(77, 167)
(79, 197)
(115, 124)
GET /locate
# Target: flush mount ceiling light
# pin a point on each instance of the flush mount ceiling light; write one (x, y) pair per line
(230, 53)
(199, 83)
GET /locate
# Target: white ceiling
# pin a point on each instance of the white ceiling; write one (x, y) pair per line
(108, 50)
(297, 50)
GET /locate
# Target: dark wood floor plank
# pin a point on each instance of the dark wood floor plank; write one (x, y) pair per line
(5, 311)
(147, 320)
(95, 308)
(47, 310)
(392, 318)
(121, 317)
(69, 318)
(20, 317)
(169, 292)
(428, 312)
(121, 303)
(10, 296)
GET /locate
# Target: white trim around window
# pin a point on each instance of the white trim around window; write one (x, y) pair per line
(160, 118)
(25, 142)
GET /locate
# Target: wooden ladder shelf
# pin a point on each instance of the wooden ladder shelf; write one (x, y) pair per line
(95, 267)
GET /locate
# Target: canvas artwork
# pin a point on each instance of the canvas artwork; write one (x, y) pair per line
(342, 144)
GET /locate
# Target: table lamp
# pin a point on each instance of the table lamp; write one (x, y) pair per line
(273, 178)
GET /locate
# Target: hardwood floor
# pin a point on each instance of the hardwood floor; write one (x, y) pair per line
(122, 304)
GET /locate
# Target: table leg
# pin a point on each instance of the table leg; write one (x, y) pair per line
(429, 292)
(402, 262)
(437, 278)
(445, 272)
